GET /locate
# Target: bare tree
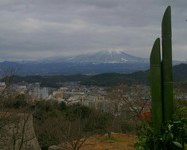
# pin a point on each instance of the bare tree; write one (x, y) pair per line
(16, 128)
(131, 101)
(69, 133)
(74, 137)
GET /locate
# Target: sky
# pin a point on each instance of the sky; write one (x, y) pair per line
(37, 29)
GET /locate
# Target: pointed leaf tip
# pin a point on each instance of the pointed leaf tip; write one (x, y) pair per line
(169, 7)
(155, 53)
(167, 11)
(166, 23)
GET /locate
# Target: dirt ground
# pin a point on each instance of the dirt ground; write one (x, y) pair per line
(116, 142)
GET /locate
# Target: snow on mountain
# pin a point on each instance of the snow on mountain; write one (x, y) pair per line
(106, 57)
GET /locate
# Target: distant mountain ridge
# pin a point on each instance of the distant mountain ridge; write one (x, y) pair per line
(106, 79)
(88, 64)
(180, 72)
(139, 77)
(93, 63)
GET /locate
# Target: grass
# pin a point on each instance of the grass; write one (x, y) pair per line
(116, 142)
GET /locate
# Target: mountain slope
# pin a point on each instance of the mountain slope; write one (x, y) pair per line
(107, 57)
(139, 77)
(95, 63)
(90, 64)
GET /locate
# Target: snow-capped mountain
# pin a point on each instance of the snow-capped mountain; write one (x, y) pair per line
(92, 63)
(105, 57)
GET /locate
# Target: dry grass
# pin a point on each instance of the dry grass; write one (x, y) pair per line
(116, 142)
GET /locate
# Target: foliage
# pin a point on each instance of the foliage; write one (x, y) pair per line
(127, 126)
(15, 102)
(58, 123)
(77, 111)
(173, 135)
(63, 105)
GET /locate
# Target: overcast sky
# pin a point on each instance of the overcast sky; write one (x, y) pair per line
(35, 29)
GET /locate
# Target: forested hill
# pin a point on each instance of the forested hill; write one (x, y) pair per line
(140, 77)
(106, 79)
(180, 72)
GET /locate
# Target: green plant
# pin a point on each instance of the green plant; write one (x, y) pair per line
(156, 86)
(162, 76)
(173, 135)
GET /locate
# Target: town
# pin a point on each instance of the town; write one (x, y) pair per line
(72, 93)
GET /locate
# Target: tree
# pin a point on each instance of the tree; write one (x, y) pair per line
(66, 128)
(131, 101)
(16, 125)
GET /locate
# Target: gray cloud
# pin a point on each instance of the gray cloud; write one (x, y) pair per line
(45, 28)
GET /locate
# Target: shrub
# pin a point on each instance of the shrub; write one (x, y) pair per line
(173, 135)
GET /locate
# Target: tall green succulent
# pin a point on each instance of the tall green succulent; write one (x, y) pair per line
(167, 73)
(156, 86)
(162, 76)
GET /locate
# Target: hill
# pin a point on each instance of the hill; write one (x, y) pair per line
(106, 79)
(180, 72)
(139, 77)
